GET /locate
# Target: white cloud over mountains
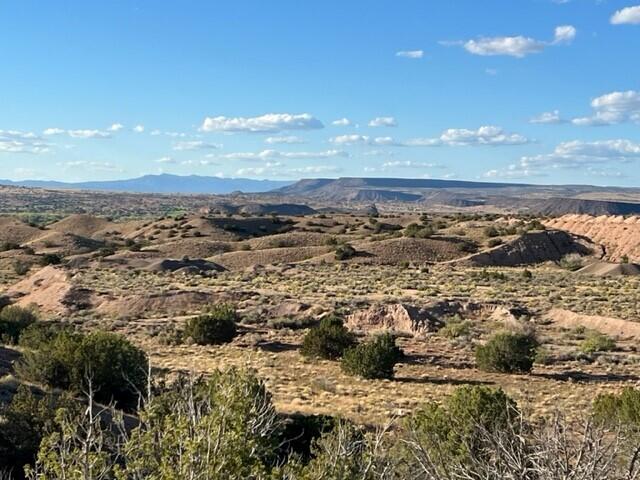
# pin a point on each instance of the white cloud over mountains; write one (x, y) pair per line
(516, 46)
(269, 123)
(577, 153)
(453, 137)
(15, 141)
(265, 155)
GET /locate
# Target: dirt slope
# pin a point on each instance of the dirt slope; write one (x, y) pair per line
(619, 235)
(532, 248)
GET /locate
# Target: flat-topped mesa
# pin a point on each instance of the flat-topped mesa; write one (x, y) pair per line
(619, 235)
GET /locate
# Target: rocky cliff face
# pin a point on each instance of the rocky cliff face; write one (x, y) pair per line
(620, 236)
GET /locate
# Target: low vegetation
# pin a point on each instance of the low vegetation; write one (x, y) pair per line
(507, 352)
(216, 325)
(374, 359)
(329, 340)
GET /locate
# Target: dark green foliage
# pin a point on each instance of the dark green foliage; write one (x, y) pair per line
(21, 268)
(328, 340)
(216, 325)
(50, 259)
(6, 246)
(13, 320)
(345, 252)
(450, 431)
(300, 431)
(491, 232)
(621, 409)
(63, 359)
(507, 352)
(374, 359)
(25, 420)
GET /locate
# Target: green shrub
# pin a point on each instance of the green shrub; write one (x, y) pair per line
(21, 268)
(597, 342)
(507, 352)
(63, 359)
(374, 359)
(450, 431)
(328, 340)
(415, 230)
(494, 242)
(13, 320)
(216, 325)
(50, 259)
(572, 262)
(345, 252)
(456, 328)
(25, 420)
(621, 409)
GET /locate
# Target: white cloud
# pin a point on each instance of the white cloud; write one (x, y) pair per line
(86, 133)
(486, 135)
(564, 34)
(577, 153)
(513, 172)
(355, 139)
(116, 127)
(138, 128)
(53, 131)
(410, 53)
(275, 154)
(409, 164)
(288, 140)
(166, 160)
(272, 122)
(194, 145)
(92, 166)
(548, 118)
(315, 169)
(15, 141)
(613, 108)
(341, 122)
(383, 122)
(516, 46)
(628, 15)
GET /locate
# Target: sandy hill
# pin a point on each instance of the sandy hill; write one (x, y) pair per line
(607, 269)
(82, 225)
(533, 247)
(619, 235)
(13, 230)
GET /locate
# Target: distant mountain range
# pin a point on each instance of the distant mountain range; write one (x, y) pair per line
(455, 194)
(165, 183)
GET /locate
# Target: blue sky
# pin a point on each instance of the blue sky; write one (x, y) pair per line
(539, 91)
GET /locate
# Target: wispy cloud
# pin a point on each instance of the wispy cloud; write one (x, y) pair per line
(341, 122)
(269, 123)
(288, 140)
(553, 117)
(515, 46)
(14, 141)
(275, 155)
(194, 145)
(383, 122)
(415, 54)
